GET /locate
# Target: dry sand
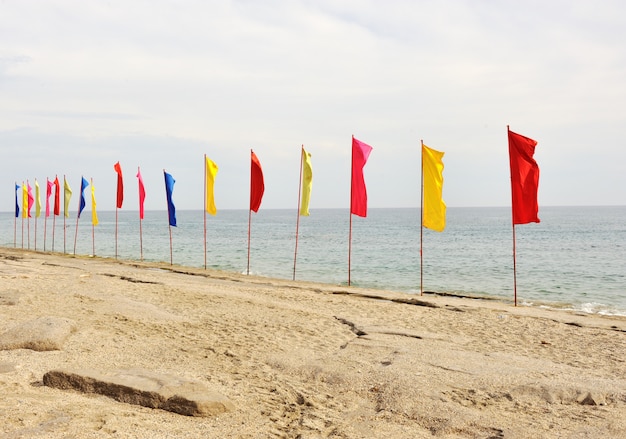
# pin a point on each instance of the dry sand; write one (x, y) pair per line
(303, 360)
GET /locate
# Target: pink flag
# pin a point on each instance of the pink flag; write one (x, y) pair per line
(49, 187)
(142, 193)
(31, 199)
(358, 192)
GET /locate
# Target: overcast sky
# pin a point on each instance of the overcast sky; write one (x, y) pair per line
(158, 84)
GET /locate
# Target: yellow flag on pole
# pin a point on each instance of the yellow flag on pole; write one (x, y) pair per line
(307, 182)
(24, 201)
(37, 200)
(94, 214)
(211, 173)
(67, 195)
(434, 216)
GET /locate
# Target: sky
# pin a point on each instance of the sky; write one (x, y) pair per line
(157, 84)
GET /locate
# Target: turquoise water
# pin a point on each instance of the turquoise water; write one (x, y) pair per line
(576, 257)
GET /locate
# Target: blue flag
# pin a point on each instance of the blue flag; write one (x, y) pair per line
(83, 186)
(169, 188)
(17, 206)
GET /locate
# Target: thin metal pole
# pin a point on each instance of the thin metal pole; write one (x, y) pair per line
(205, 206)
(169, 224)
(514, 244)
(93, 231)
(350, 232)
(249, 222)
(45, 218)
(116, 209)
(28, 215)
(295, 254)
(422, 222)
(140, 219)
(78, 214)
(64, 215)
(15, 222)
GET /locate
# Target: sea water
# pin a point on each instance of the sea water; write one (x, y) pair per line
(575, 258)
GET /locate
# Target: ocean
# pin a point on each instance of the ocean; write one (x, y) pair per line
(574, 259)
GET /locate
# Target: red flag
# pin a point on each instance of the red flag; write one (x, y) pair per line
(524, 178)
(257, 184)
(142, 194)
(57, 196)
(120, 185)
(358, 192)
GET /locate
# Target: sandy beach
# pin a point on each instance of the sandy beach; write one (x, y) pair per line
(301, 360)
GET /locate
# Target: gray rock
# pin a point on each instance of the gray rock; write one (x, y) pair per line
(145, 388)
(42, 334)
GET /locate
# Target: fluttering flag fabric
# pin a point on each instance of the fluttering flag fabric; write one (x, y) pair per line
(57, 196)
(307, 182)
(83, 185)
(37, 200)
(24, 201)
(94, 214)
(142, 193)
(434, 215)
(257, 184)
(120, 185)
(17, 205)
(67, 196)
(524, 178)
(211, 173)
(30, 199)
(49, 186)
(169, 189)
(358, 193)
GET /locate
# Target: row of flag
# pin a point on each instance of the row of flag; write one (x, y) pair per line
(524, 179)
(524, 186)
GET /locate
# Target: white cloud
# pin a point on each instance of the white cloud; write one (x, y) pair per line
(159, 83)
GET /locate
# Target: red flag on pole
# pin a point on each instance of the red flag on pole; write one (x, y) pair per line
(524, 178)
(57, 196)
(120, 185)
(257, 184)
(358, 192)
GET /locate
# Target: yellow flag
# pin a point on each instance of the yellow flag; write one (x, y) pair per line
(94, 214)
(211, 173)
(67, 195)
(307, 182)
(24, 201)
(37, 200)
(434, 215)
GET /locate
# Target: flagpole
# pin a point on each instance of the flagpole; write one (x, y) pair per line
(205, 206)
(295, 255)
(24, 212)
(140, 219)
(351, 195)
(36, 184)
(116, 209)
(422, 222)
(78, 215)
(15, 221)
(249, 216)
(93, 228)
(45, 218)
(168, 223)
(514, 246)
(28, 213)
(64, 216)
